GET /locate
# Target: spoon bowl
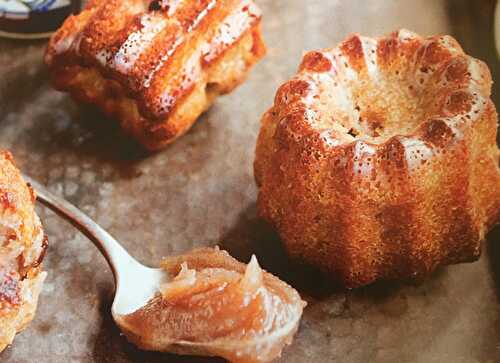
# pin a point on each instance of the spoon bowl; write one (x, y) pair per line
(136, 285)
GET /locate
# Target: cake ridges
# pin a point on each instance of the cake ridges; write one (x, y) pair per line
(136, 46)
(368, 165)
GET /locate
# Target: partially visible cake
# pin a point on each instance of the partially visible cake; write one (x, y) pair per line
(378, 159)
(22, 248)
(155, 65)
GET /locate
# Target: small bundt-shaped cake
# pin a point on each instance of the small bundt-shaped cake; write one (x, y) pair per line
(22, 248)
(155, 65)
(378, 160)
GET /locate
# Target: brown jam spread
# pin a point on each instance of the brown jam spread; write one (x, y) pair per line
(215, 305)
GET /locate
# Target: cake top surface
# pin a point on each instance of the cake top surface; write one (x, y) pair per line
(143, 43)
(373, 89)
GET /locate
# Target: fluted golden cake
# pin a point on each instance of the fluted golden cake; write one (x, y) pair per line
(378, 159)
(155, 65)
(22, 248)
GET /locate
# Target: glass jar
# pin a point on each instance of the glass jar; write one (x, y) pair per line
(32, 19)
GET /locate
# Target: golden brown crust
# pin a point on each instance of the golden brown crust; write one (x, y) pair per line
(155, 65)
(378, 159)
(22, 248)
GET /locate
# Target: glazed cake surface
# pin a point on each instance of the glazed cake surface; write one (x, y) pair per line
(378, 159)
(22, 248)
(155, 65)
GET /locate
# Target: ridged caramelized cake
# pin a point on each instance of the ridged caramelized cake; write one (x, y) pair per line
(378, 160)
(217, 306)
(155, 65)
(22, 248)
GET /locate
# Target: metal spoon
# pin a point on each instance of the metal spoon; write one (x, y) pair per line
(140, 311)
(136, 284)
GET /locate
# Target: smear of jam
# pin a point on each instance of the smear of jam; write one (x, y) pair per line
(220, 307)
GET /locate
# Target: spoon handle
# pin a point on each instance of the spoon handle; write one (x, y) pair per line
(114, 253)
